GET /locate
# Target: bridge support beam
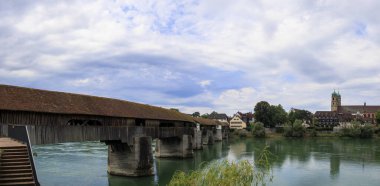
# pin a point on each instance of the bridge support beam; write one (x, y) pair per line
(225, 133)
(174, 147)
(131, 160)
(208, 137)
(218, 136)
(197, 140)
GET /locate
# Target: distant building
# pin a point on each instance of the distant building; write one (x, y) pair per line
(246, 117)
(363, 112)
(343, 114)
(330, 119)
(223, 118)
(237, 123)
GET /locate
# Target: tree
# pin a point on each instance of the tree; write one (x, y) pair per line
(196, 114)
(262, 113)
(278, 115)
(206, 115)
(175, 109)
(378, 117)
(270, 115)
(301, 115)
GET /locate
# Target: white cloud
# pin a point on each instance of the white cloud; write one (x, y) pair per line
(205, 83)
(294, 52)
(22, 73)
(233, 100)
(88, 82)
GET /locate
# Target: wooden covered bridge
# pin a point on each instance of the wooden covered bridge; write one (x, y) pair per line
(126, 127)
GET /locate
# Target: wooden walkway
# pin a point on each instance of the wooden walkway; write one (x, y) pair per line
(8, 142)
(15, 167)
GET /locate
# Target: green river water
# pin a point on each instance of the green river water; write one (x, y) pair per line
(314, 161)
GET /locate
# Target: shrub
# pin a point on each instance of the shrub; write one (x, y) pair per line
(249, 127)
(357, 130)
(313, 132)
(241, 133)
(295, 130)
(288, 130)
(279, 129)
(345, 131)
(298, 129)
(376, 130)
(258, 130)
(366, 131)
(227, 173)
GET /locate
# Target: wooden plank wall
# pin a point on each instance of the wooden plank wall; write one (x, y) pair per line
(61, 134)
(47, 128)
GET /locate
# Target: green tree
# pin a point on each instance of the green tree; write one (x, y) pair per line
(278, 115)
(301, 115)
(262, 113)
(378, 117)
(206, 115)
(270, 115)
(196, 114)
(175, 109)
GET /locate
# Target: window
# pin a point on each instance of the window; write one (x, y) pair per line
(83, 122)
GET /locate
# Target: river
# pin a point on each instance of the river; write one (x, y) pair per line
(314, 161)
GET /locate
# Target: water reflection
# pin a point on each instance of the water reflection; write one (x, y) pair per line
(334, 166)
(296, 162)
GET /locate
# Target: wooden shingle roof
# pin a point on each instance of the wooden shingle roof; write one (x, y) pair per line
(15, 98)
(204, 121)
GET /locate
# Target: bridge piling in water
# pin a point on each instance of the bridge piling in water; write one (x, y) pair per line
(174, 147)
(131, 160)
(207, 137)
(225, 132)
(197, 140)
(218, 136)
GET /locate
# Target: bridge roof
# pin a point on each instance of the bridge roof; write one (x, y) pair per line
(204, 121)
(34, 100)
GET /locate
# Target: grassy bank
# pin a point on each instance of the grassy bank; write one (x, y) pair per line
(228, 173)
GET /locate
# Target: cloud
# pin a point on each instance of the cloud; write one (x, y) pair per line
(204, 83)
(207, 55)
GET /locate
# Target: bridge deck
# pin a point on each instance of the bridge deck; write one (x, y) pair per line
(8, 142)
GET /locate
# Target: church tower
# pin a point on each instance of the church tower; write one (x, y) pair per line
(335, 101)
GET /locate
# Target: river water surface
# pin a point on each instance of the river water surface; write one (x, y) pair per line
(321, 161)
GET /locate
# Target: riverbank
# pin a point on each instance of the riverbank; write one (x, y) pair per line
(325, 134)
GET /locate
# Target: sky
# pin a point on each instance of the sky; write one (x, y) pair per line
(201, 56)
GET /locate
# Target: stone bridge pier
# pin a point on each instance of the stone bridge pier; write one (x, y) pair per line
(218, 136)
(225, 132)
(175, 147)
(134, 159)
(207, 136)
(197, 139)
